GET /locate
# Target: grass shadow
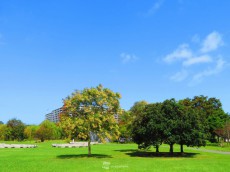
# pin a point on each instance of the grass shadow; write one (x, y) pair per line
(146, 154)
(126, 150)
(99, 156)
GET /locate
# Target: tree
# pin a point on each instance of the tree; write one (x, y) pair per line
(227, 131)
(47, 131)
(211, 112)
(191, 129)
(224, 132)
(148, 128)
(68, 127)
(137, 108)
(1, 122)
(3, 132)
(171, 120)
(92, 111)
(125, 124)
(16, 129)
(30, 131)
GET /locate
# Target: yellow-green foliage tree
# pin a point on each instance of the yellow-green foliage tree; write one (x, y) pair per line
(92, 111)
(30, 132)
(3, 132)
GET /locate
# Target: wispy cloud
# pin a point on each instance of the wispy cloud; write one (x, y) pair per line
(127, 58)
(180, 76)
(156, 6)
(197, 60)
(181, 53)
(197, 78)
(185, 54)
(212, 42)
(187, 57)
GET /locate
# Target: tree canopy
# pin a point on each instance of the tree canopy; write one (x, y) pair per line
(169, 122)
(92, 110)
(15, 129)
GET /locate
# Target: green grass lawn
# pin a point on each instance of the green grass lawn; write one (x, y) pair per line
(108, 157)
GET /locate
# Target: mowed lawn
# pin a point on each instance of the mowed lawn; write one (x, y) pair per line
(108, 157)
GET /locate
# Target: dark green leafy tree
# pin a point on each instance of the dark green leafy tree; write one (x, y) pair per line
(191, 130)
(137, 108)
(211, 112)
(148, 129)
(171, 121)
(15, 129)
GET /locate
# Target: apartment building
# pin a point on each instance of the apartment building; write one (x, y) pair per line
(54, 115)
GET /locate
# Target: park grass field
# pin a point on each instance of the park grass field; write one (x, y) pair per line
(109, 157)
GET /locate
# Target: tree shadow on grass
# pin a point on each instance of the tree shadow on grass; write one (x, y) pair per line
(75, 156)
(145, 154)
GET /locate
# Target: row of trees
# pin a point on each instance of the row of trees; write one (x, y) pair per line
(186, 122)
(15, 129)
(91, 111)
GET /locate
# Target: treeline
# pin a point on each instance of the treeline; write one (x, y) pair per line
(189, 122)
(16, 130)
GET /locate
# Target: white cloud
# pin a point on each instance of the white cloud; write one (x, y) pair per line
(220, 64)
(182, 52)
(212, 42)
(197, 60)
(126, 58)
(187, 57)
(180, 76)
(156, 6)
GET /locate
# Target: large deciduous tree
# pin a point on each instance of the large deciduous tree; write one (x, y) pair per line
(92, 111)
(210, 109)
(169, 122)
(16, 129)
(30, 132)
(48, 131)
(191, 129)
(148, 128)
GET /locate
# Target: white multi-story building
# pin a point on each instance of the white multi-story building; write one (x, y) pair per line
(54, 115)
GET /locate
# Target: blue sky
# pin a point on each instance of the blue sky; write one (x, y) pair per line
(147, 50)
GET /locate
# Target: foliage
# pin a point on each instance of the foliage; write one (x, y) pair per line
(30, 132)
(125, 124)
(92, 111)
(210, 109)
(148, 127)
(15, 129)
(170, 122)
(137, 109)
(48, 131)
(4, 132)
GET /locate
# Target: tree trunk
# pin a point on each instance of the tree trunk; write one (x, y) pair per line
(157, 148)
(89, 148)
(181, 148)
(171, 148)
